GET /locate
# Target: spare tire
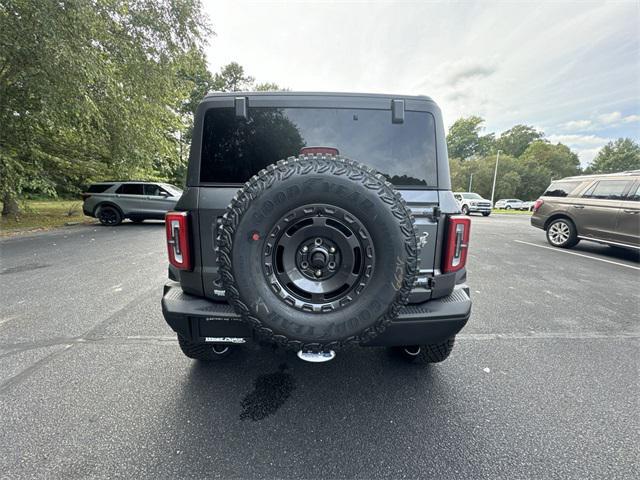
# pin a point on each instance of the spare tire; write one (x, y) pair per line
(317, 252)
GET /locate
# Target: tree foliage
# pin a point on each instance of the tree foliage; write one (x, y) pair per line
(527, 165)
(232, 78)
(515, 141)
(269, 87)
(464, 140)
(91, 89)
(617, 156)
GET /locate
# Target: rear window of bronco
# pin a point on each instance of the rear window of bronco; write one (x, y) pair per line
(234, 148)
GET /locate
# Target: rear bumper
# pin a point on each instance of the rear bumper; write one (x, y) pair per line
(201, 320)
(537, 221)
(87, 211)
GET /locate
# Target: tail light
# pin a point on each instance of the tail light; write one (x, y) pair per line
(177, 225)
(538, 204)
(457, 243)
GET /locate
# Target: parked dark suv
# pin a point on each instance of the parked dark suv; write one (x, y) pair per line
(600, 208)
(315, 221)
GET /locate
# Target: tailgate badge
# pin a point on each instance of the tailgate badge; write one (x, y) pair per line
(422, 240)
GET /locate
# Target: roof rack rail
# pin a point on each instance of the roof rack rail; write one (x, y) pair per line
(127, 181)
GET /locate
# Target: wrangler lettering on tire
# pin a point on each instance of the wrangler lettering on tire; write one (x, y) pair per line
(331, 254)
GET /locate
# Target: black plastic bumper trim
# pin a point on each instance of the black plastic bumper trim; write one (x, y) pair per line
(430, 322)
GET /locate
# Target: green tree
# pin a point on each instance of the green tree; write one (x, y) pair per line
(558, 159)
(617, 156)
(269, 87)
(464, 140)
(89, 89)
(516, 140)
(508, 182)
(525, 177)
(232, 78)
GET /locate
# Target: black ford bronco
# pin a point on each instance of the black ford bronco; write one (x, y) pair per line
(315, 221)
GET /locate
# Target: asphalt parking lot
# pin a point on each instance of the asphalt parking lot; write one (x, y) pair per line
(543, 382)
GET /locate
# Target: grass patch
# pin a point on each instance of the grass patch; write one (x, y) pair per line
(43, 215)
(511, 212)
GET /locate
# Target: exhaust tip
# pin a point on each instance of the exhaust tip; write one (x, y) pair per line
(316, 357)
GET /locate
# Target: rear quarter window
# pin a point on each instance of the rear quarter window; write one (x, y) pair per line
(99, 187)
(560, 189)
(130, 189)
(234, 149)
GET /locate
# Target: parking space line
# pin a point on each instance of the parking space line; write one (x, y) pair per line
(558, 250)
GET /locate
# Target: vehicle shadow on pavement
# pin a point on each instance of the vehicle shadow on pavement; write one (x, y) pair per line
(146, 223)
(610, 252)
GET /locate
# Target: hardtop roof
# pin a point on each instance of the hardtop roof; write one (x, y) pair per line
(317, 94)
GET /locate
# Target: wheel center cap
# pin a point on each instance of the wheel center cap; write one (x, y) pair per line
(318, 258)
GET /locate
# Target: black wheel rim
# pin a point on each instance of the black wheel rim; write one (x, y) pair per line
(318, 258)
(108, 216)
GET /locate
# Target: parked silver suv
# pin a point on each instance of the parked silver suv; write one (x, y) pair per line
(510, 204)
(600, 208)
(112, 202)
(472, 203)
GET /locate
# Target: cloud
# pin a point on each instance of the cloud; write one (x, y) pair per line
(606, 120)
(468, 69)
(609, 118)
(574, 125)
(573, 139)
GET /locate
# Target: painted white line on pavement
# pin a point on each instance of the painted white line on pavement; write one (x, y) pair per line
(559, 250)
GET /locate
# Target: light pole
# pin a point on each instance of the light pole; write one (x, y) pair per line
(470, 181)
(495, 174)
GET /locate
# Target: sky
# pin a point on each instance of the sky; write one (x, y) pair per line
(570, 69)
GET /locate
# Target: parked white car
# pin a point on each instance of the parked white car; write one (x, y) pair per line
(510, 204)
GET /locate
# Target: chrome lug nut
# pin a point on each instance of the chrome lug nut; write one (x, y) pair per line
(332, 250)
(318, 273)
(305, 249)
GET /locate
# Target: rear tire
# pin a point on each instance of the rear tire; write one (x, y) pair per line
(562, 233)
(109, 216)
(206, 352)
(508, 207)
(465, 210)
(422, 354)
(486, 214)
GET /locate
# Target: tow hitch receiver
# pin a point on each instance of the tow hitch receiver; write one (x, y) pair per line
(316, 357)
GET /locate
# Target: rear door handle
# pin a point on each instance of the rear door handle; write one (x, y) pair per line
(632, 212)
(578, 206)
